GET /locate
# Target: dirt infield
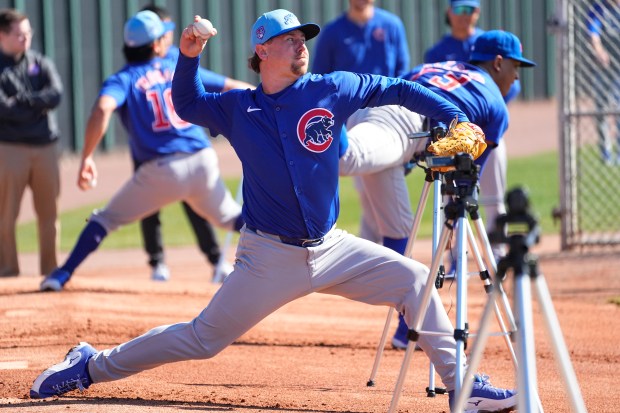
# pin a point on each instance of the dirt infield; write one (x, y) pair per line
(313, 355)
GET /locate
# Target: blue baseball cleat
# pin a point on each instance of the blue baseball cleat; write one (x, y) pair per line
(487, 398)
(70, 374)
(55, 281)
(400, 340)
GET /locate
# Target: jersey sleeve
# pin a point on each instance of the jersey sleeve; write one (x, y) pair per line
(117, 87)
(213, 82)
(193, 104)
(374, 90)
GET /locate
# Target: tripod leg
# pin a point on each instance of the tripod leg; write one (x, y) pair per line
(527, 382)
(375, 366)
(431, 390)
(501, 296)
(489, 287)
(419, 317)
(475, 356)
(460, 331)
(559, 346)
(414, 231)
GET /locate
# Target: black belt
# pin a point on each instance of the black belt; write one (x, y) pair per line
(298, 242)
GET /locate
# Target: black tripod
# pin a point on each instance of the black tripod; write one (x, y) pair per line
(519, 229)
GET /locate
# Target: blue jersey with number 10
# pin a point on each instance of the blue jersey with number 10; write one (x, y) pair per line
(143, 94)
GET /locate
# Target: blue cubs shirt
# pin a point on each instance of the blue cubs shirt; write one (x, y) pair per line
(288, 142)
(470, 88)
(143, 94)
(450, 48)
(379, 47)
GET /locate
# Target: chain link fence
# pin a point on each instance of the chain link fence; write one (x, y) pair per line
(588, 35)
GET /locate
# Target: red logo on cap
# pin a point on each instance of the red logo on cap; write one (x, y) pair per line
(260, 32)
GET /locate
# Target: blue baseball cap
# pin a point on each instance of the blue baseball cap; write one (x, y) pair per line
(470, 3)
(277, 22)
(144, 28)
(498, 42)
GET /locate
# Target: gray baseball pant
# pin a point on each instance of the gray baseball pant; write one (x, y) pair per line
(268, 274)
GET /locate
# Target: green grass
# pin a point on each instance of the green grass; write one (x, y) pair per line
(538, 174)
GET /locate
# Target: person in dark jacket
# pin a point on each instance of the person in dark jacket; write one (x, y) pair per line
(30, 88)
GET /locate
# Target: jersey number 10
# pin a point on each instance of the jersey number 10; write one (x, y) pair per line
(163, 111)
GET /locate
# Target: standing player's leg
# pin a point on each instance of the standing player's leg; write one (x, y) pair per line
(207, 240)
(150, 230)
(492, 190)
(208, 196)
(14, 172)
(369, 228)
(601, 100)
(376, 155)
(154, 185)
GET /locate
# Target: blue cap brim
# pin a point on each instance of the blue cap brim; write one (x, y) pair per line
(310, 30)
(169, 26)
(483, 57)
(469, 3)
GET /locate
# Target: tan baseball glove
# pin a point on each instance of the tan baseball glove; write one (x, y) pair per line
(462, 137)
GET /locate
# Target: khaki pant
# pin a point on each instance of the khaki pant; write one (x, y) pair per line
(36, 167)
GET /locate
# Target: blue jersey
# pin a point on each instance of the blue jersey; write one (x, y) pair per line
(288, 142)
(213, 82)
(143, 95)
(379, 47)
(470, 88)
(450, 48)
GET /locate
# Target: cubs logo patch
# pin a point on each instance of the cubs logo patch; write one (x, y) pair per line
(260, 33)
(314, 129)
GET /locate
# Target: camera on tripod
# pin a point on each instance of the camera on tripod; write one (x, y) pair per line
(517, 227)
(462, 178)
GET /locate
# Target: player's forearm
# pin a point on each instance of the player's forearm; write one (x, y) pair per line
(95, 129)
(187, 88)
(421, 100)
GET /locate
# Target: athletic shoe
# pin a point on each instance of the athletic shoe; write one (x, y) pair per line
(487, 398)
(222, 271)
(55, 281)
(400, 340)
(452, 271)
(397, 344)
(160, 272)
(68, 375)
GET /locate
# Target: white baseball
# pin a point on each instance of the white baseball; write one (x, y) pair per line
(92, 183)
(202, 28)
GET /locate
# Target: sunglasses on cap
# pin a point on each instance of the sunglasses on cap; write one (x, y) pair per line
(460, 10)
